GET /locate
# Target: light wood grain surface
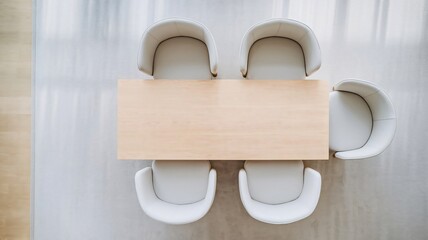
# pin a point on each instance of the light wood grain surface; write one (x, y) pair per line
(15, 118)
(223, 119)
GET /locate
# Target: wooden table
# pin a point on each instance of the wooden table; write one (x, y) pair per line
(223, 119)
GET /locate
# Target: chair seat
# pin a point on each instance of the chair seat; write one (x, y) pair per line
(180, 182)
(350, 121)
(182, 58)
(274, 182)
(276, 58)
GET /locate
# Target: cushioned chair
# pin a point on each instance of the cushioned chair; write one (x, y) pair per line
(178, 49)
(176, 192)
(362, 120)
(279, 192)
(279, 49)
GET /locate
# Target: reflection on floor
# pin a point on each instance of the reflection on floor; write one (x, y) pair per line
(83, 47)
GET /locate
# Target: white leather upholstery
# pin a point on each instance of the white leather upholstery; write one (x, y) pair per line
(350, 121)
(276, 58)
(180, 182)
(274, 182)
(171, 28)
(383, 119)
(175, 213)
(282, 213)
(177, 192)
(182, 58)
(283, 28)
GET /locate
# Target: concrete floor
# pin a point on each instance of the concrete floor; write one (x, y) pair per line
(82, 47)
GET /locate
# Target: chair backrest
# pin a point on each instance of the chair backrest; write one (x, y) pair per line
(383, 114)
(180, 182)
(182, 35)
(283, 28)
(274, 182)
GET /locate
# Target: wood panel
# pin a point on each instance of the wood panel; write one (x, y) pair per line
(223, 119)
(15, 118)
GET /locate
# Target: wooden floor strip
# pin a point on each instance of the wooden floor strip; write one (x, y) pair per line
(15, 118)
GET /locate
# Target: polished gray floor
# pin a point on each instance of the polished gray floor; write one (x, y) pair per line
(82, 47)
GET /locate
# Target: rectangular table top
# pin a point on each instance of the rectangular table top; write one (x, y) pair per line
(223, 119)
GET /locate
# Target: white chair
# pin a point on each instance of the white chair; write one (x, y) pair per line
(279, 192)
(178, 49)
(176, 192)
(279, 49)
(362, 120)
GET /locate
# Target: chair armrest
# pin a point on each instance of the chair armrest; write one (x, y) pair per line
(212, 51)
(144, 186)
(212, 186)
(243, 189)
(311, 191)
